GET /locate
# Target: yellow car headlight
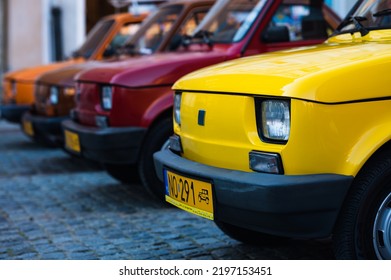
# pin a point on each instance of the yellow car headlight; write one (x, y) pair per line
(177, 108)
(275, 120)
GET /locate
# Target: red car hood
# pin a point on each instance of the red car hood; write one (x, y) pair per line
(159, 69)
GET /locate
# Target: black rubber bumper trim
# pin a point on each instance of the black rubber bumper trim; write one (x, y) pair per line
(46, 129)
(293, 206)
(114, 145)
(13, 113)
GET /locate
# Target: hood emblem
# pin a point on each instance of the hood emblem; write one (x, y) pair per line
(201, 117)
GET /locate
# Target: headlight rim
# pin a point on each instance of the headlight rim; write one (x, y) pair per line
(102, 92)
(176, 108)
(54, 91)
(259, 119)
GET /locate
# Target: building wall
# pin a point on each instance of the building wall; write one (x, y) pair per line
(26, 33)
(30, 30)
(3, 38)
(73, 22)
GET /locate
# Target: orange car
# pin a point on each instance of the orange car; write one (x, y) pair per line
(107, 35)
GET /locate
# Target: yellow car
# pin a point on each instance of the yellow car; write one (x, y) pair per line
(294, 143)
(109, 33)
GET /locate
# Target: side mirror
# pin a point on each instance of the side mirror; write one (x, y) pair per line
(275, 34)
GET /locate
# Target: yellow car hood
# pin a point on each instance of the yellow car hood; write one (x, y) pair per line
(343, 69)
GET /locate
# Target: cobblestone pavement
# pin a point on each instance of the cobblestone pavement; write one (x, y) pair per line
(53, 206)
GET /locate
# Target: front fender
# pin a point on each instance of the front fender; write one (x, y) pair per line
(368, 145)
(335, 138)
(162, 104)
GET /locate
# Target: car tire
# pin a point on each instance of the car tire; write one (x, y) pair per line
(125, 173)
(156, 139)
(363, 229)
(248, 236)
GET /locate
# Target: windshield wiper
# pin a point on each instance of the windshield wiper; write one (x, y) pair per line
(129, 49)
(382, 13)
(205, 35)
(357, 23)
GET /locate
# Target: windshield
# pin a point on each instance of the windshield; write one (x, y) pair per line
(121, 37)
(152, 33)
(94, 38)
(229, 21)
(368, 15)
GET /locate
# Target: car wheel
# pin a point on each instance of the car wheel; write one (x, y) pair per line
(125, 173)
(363, 229)
(156, 139)
(249, 236)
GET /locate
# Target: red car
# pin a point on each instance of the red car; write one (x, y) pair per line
(55, 90)
(124, 110)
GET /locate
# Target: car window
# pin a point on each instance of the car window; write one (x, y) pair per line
(94, 38)
(371, 15)
(188, 27)
(156, 29)
(229, 21)
(295, 22)
(122, 36)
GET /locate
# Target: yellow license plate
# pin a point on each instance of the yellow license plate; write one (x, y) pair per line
(28, 128)
(72, 141)
(191, 195)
